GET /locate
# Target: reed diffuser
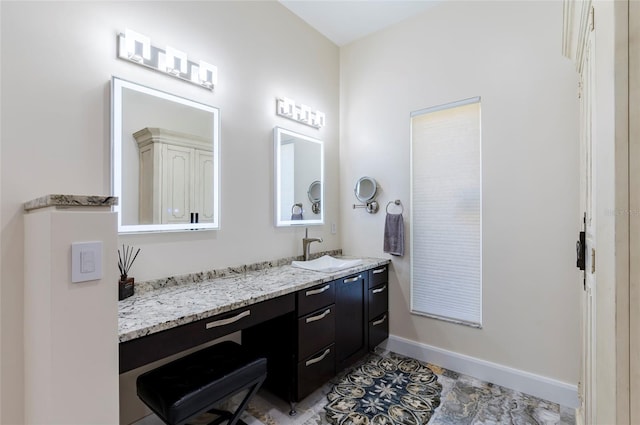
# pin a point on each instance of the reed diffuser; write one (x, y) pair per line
(125, 261)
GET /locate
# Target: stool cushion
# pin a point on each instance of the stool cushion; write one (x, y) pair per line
(191, 385)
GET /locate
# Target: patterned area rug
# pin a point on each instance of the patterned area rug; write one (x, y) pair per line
(389, 390)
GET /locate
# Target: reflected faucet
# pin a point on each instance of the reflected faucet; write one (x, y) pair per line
(306, 241)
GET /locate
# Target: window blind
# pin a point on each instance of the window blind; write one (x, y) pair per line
(446, 229)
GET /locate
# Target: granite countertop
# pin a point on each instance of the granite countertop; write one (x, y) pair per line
(70, 201)
(167, 307)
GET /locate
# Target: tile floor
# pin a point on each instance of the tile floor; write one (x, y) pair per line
(464, 400)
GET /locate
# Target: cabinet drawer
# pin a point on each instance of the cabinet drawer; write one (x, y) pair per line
(378, 300)
(378, 275)
(140, 351)
(378, 330)
(315, 371)
(316, 330)
(315, 298)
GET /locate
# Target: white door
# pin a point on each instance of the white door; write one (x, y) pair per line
(587, 203)
(634, 217)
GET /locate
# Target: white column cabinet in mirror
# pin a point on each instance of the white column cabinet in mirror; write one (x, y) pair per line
(165, 160)
(175, 177)
(299, 179)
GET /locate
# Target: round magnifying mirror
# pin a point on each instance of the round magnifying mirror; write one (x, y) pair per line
(366, 189)
(315, 191)
(315, 194)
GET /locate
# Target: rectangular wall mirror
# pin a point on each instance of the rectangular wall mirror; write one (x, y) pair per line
(165, 160)
(299, 179)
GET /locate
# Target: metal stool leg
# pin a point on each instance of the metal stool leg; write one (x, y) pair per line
(234, 418)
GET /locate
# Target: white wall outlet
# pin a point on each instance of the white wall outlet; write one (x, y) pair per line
(334, 228)
(86, 261)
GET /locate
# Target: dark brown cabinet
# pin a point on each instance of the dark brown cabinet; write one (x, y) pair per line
(351, 307)
(378, 301)
(316, 332)
(313, 372)
(315, 298)
(333, 326)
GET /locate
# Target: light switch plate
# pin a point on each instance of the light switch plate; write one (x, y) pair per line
(86, 261)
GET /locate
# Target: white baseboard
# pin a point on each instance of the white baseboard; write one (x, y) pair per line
(525, 382)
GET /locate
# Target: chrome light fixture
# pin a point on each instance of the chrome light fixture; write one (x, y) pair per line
(286, 107)
(135, 47)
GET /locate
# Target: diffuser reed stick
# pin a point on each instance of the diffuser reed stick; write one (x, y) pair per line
(126, 259)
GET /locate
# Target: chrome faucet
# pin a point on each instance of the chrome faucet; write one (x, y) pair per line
(306, 241)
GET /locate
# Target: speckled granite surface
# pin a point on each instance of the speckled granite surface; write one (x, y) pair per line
(152, 285)
(179, 302)
(70, 201)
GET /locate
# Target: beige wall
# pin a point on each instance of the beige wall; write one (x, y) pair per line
(509, 53)
(57, 61)
(71, 361)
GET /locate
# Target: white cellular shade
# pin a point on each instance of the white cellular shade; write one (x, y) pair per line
(446, 244)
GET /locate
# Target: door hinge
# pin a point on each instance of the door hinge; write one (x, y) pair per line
(579, 89)
(581, 251)
(592, 19)
(593, 260)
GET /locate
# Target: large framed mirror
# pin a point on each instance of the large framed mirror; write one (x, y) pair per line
(299, 179)
(165, 160)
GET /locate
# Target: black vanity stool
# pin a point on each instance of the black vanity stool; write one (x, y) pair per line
(194, 384)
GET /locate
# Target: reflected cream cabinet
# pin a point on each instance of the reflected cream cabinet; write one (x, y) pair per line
(176, 177)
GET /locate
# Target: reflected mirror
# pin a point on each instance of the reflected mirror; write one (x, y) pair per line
(314, 193)
(366, 189)
(165, 160)
(299, 192)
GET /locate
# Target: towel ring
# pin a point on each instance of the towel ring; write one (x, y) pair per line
(396, 202)
(296, 208)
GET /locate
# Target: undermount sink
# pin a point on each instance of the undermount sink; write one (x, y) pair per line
(326, 264)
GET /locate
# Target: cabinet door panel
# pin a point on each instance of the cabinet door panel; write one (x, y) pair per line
(378, 275)
(316, 330)
(351, 321)
(203, 186)
(315, 371)
(149, 208)
(314, 298)
(178, 187)
(378, 330)
(378, 300)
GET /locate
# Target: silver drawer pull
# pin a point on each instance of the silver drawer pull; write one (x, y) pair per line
(317, 291)
(318, 317)
(377, 322)
(377, 291)
(229, 320)
(353, 279)
(319, 358)
(378, 271)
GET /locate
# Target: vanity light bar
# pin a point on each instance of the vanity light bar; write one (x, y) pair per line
(286, 107)
(135, 47)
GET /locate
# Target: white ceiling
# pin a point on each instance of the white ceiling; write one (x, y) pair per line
(345, 21)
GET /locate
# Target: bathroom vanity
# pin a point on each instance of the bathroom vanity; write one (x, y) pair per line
(310, 325)
(335, 324)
